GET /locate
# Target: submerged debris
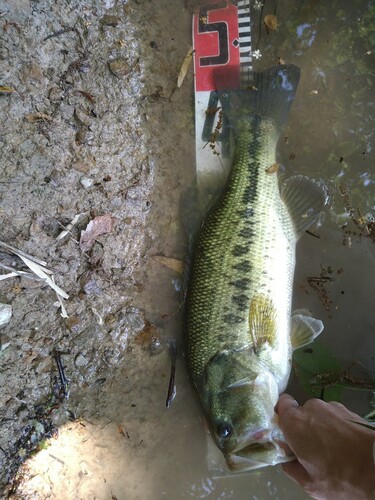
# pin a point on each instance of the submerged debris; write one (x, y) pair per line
(343, 377)
(171, 394)
(270, 22)
(364, 225)
(218, 128)
(174, 264)
(318, 284)
(273, 168)
(312, 233)
(185, 66)
(258, 5)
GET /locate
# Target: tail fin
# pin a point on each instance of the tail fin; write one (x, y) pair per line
(271, 96)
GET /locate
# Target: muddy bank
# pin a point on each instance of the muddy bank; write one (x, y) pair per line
(86, 121)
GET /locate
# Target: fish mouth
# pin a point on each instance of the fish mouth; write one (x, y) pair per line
(256, 454)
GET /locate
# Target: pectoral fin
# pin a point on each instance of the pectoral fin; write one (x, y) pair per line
(304, 330)
(262, 321)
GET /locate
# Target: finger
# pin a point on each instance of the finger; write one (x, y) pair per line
(341, 410)
(285, 404)
(284, 446)
(297, 472)
(315, 404)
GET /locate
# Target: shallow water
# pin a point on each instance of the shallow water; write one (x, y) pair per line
(134, 448)
(329, 135)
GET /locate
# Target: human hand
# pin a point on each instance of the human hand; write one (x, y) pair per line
(335, 455)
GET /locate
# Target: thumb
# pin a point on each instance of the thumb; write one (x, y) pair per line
(285, 405)
(297, 472)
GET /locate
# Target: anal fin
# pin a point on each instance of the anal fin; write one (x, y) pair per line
(305, 329)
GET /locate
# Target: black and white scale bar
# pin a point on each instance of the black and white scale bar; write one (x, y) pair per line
(244, 38)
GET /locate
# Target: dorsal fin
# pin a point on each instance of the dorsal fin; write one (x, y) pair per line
(305, 198)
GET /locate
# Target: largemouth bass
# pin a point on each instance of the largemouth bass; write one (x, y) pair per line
(240, 330)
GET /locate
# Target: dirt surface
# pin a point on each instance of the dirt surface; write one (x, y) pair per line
(86, 122)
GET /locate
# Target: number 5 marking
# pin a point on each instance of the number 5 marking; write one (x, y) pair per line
(221, 28)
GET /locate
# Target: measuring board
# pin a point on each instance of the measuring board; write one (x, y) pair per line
(222, 45)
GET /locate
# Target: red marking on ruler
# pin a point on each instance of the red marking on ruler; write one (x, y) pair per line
(216, 44)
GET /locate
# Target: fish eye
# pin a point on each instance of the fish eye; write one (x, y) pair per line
(224, 430)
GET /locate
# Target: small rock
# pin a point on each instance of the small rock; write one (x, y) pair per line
(54, 178)
(97, 253)
(119, 67)
(55, 94)
(81, 166)
(30, 284)
(91, 287)
(156, 345)
(49, 225)
(80, 360)
(32, 72)
(84, 136)
(83, 117)
(66, 110)
(5, 313)
(86, 182)
(108, 20)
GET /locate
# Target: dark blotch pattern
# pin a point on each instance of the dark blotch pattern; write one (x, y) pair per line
(243, 265)
(250, 192)
(232, 319)
(242, 301)
(247, 232)
(239, 250)
(241, 284)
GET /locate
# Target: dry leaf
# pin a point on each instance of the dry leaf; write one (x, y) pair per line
(270, 22)
(5, 89)
(174, 264)
(6, 276)
(102, 224)
(37, 117)
(60, 303)
(185, 66)
(41, 272)
(37, 267)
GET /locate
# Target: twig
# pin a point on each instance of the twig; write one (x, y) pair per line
(64, 382)
(172, 380)
(58, 33)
